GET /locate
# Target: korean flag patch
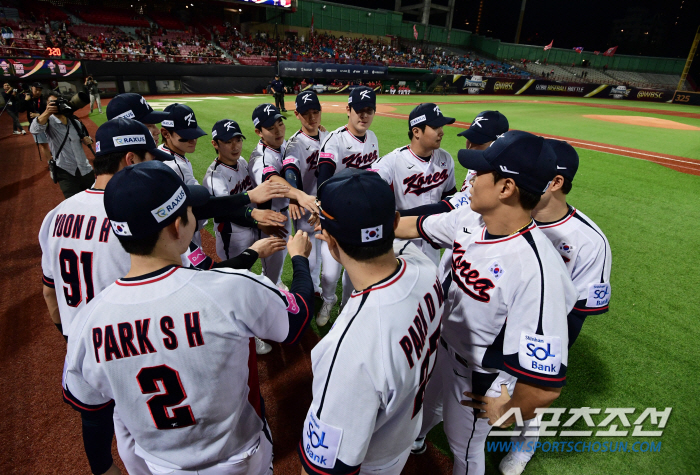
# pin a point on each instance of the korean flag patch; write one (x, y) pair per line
(372, 234)
(120, 228)
(565, 248)
(496, 270)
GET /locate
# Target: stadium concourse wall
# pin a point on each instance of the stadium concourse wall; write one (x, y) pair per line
(539, 87)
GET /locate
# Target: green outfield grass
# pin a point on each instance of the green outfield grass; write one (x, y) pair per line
(640, 354)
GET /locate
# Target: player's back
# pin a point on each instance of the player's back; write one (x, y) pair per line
(80, 253)
(385, 343)
(172, 349)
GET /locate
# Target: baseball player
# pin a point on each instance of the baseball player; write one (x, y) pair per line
(266, 164)
(350, 146)
(586, 254)
(421, 173)
(133, 106)
(228, 175)
(81, 256)
(505, 336)
(299, 165)
(384, 341)
(170, 347)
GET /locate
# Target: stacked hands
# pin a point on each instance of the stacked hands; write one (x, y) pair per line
(272, 223)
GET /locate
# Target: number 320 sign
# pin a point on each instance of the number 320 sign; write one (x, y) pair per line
(54, 51)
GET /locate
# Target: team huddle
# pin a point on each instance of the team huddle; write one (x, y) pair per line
(162, 340)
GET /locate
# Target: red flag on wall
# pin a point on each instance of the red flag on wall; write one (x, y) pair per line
(549, 46)
(579, 49)
(610, 51)
(415, 32)
(596, 53)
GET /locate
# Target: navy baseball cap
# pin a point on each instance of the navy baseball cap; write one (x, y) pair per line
(357, 207)
(226, 129)
(38, 85)
(182, 121)
(524, 157)
(487, 126)
(142, 199)
(265, 115)
(307, 100)
(429, 114)
(133, 106)
(362, 97)
(567, 158)
(124, 135)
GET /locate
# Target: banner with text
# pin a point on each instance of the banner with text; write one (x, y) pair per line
(38, 68)
(298, 69)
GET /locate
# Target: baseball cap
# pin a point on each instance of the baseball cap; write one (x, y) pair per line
(226, 129)
(142, 199)
(133, 106)
(362, 97)
(37, 85)
(522, 156)
(429, 114)
(182, 121)
(265, 115)
(124, 135)
(487, 126)
(357, 207)
(307, 100)
(567, 158)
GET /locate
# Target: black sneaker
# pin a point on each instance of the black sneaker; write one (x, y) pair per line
(419, 446)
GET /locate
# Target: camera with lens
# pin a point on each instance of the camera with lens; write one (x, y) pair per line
(64, 107)
(68, 107)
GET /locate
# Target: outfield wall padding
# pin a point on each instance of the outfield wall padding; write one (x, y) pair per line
(539, 87)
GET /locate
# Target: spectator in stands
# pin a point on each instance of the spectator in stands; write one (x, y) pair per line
(92, 89)
(12, 99)
(34, 105)
(73, 172)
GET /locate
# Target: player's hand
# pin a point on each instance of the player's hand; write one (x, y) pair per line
(308, 202)
(267, 217)
(322, 128)
(314, 220)
(278, 231)
(87, 141)
(268, 246)
(299, 244)
(267, 190)
(295, 211)
(493, 407)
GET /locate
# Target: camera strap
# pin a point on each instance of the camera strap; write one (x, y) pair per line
(58, 154)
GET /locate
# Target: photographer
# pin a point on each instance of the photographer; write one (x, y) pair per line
(72, 170)
(34, 105)
(91, 88)
(11, 107)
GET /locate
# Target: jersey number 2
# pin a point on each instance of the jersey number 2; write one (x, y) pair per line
(70, 273)
(172, 395)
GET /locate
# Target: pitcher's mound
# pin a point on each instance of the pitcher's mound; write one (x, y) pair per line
(645, 121)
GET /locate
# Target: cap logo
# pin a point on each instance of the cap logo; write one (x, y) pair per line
(126, 115)
(418, 120)
(190, 118)
(213, 133)
(143, 101)
(167, 123)
(306, 98)
(122, 140)
(97, 146)
(504, 169)
(560, 168)
(364, 95)
(268, 108)
(372, 234)
(120, 228)
(350, 100)
(229, 125)
(498, 137)
(437, 110)
(165, 210)
(477, 121)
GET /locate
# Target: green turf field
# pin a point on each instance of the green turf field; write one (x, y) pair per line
(640, 354)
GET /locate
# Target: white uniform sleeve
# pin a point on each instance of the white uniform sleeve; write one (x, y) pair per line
(385, 167)
(330, 150)
(46, 257)
(439, 230)
(215, 182)
(255, 168)
(450, 183)
(292, 154)
(459, 199)
(589, 276)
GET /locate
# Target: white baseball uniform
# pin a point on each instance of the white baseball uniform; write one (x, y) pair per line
(417, 181)
(264, 163)
(223, 180)
(587, 256)
(173, 349)
(341, 149)
(505, 320)
(183, 167)
(301, 154)
(383, 343)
